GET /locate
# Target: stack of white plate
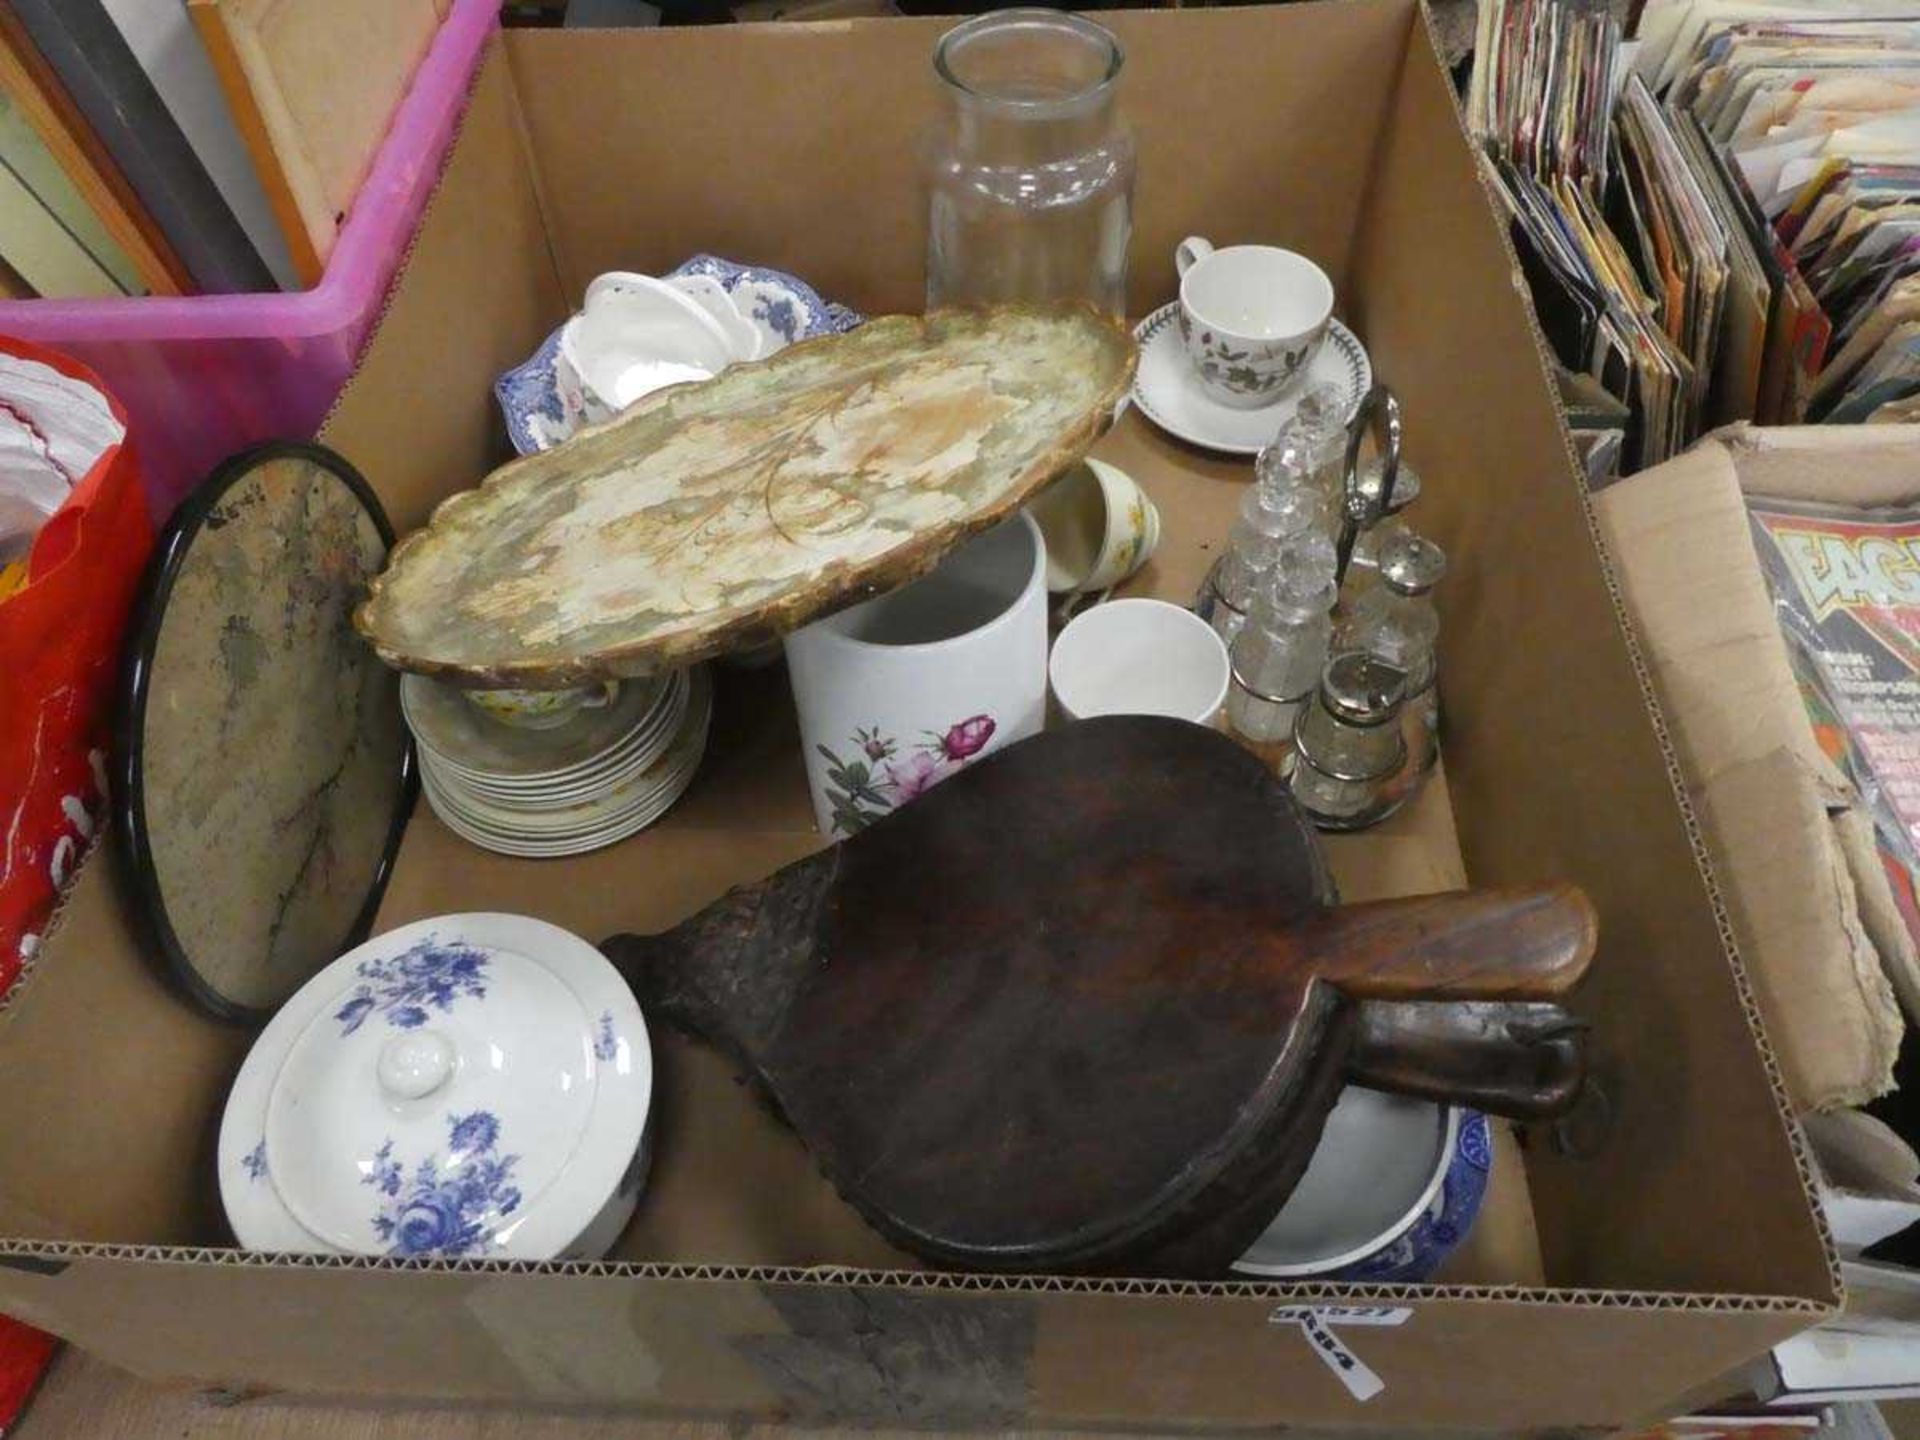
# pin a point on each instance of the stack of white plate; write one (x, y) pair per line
(599, 777)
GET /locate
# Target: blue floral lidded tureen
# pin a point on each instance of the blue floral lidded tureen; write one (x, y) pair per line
(470, 1086)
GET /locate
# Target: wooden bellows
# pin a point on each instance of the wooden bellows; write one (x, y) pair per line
(1086, 1005)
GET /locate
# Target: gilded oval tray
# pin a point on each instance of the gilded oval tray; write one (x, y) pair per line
(715, 516)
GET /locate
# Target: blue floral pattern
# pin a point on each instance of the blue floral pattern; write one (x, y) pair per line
(778, 316)
(812, 315)
(406, 987)
(605, 1044)
(448, 1207)
(1476, 1142)
(786, 309)
(254, 1162)
(530, 398)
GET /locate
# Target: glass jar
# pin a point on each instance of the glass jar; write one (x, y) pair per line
(1274, 523)
(1031, 169)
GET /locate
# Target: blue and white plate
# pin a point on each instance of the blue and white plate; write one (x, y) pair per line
(540, 412)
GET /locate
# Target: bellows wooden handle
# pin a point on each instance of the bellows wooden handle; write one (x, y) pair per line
(1526, 1060)
(1529, 944)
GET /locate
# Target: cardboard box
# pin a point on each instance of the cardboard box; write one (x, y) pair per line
(1792, 837)
(1794, 840)
(1609, 1280)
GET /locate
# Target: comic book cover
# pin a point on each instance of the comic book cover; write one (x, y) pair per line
(1846, 586)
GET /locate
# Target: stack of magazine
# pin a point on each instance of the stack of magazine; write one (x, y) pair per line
(1719, 216)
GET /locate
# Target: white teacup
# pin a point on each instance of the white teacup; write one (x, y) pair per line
(743, 336)
(1252, 318)
(1099, 525)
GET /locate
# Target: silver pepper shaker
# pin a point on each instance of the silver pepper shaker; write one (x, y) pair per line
(1347, 743)
(1395, 619)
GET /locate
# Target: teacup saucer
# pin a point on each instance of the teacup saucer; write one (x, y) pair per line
(1168, 391)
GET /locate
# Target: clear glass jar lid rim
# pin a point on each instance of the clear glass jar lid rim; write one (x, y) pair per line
(1008, 21)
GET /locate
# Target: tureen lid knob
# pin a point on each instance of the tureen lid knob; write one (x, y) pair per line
(414, 1064)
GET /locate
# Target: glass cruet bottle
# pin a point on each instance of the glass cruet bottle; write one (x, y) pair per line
(1280, 507)
(1316, 433)
(1030, 167)
(1395, 619)
(1279, 653)
(1347, 743)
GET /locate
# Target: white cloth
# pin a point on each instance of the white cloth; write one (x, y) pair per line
(52, 431)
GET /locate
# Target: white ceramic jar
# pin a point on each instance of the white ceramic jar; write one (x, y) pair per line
(465, 1086)
(901, 691)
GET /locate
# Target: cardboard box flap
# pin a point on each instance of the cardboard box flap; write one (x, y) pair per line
(1783, 823)
(1879, 914)
(1796, 909)
(837, 110)
(1683, 550)
(1853, 464)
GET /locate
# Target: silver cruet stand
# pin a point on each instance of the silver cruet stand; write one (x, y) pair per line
(1364, 505)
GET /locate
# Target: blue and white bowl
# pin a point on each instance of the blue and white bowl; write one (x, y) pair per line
(1393, 1188)
(544, 405)
(1440, 1227)
(465, 1086)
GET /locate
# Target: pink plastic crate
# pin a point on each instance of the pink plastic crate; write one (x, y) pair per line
(202, 376)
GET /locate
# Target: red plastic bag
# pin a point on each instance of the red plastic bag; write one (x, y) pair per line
(24, 1356)
(59, 651)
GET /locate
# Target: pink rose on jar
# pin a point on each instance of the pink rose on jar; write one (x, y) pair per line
(914, 775)
(967, 737)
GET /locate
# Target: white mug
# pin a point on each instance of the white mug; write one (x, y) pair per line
(1252, 318)
(1140, 657)
(900, 692)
